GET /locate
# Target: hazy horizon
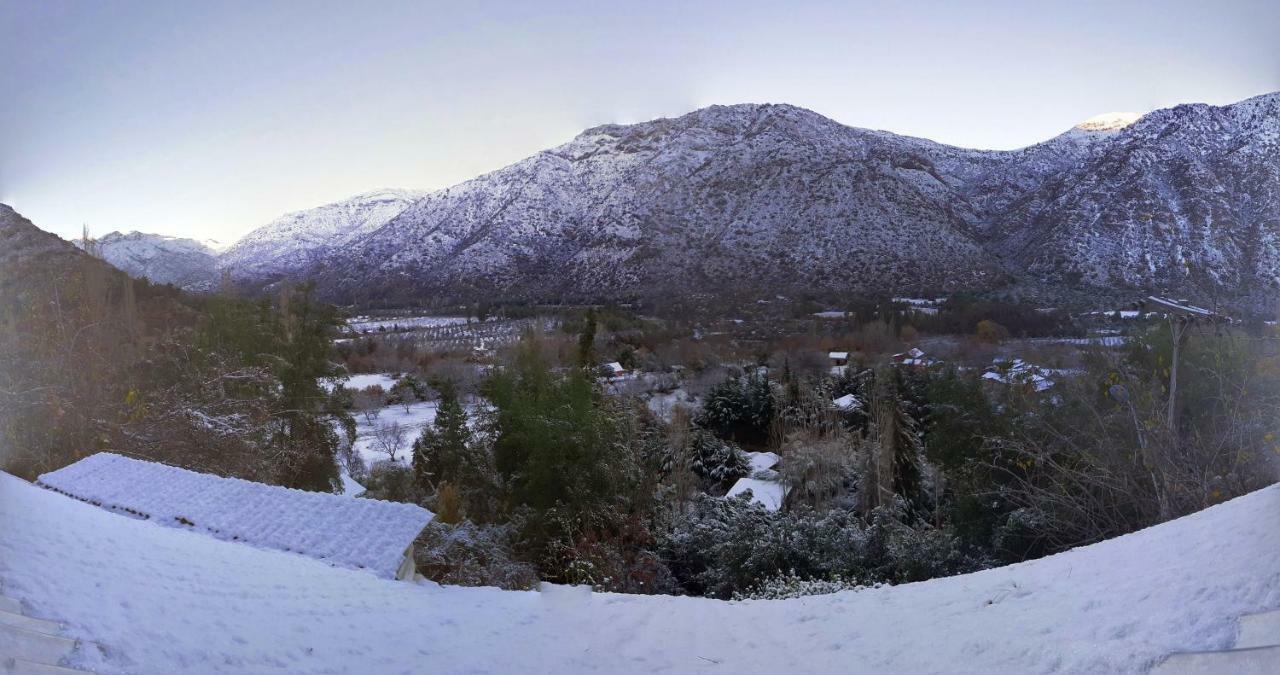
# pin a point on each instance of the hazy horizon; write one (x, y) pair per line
(207, 121)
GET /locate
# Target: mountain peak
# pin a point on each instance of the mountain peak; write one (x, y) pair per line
(1106, 122)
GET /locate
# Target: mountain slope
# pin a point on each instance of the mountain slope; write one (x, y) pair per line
(172, 599)
(758, 198)
(31, 258)
(185, 263)
(297, 240)
(1185, 199)
(747, 196)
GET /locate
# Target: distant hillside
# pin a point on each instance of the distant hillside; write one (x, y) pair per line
(758, 198)
(298, 240)
(185, 263)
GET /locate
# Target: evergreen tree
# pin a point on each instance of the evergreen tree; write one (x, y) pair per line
(896, 451)
(442, 454)
(587, 341)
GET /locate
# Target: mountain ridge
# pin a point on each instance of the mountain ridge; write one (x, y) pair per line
(757, 196)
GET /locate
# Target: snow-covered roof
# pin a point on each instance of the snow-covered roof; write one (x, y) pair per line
(837, 355)
(766, 493)
(615, 367)
(761, 461)
(846, 402)
(360, 533)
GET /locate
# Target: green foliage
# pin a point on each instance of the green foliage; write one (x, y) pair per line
(291, 341)
(719, 462)
(739, 409)
(555, 442)
(724, 546)
(445, 453)
(587, 342)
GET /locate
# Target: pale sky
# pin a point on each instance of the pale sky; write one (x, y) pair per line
(208, 119)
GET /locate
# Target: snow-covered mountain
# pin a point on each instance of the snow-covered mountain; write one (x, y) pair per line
(1185, 199)
(772, 197)
(185, 263)
(296, 240)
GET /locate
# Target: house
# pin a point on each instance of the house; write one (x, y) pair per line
(762, 464)
(1017, 372)
(613, 370)
(767, 493)
(365, 534)
(912, 358)
(840, 359)
(846, 403)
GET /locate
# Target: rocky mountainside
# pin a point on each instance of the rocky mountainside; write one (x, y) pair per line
(1186, 199)
(185, 263)
(772, 197)
(295, 241)
(31, 257)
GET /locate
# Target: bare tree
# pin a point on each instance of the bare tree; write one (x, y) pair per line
(388, 437)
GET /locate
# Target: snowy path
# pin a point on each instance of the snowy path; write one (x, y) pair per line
(161, 599)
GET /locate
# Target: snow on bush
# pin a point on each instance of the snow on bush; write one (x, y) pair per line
(791, 585)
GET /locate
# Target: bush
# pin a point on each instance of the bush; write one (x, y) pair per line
(790, 585)
(719, 462)
(725, 546)
(467, 554)
(390, 482)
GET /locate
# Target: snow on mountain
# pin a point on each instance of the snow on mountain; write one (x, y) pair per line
(185, 263)
(1184, 199)
(728, 197)
(299, 239)
(144, 597)
(748, 197)
(1109, 121)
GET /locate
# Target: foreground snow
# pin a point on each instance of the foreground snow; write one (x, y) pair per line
(161, 599)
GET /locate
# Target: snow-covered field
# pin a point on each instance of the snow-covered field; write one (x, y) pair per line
(162, 600)
(419, 415)
(365, 380)
(363, 324)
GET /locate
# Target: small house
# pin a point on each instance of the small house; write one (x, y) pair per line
(846, 403)
(912, 358)
(343, 531)
(838, 359)
(767, 493)
(613, 370)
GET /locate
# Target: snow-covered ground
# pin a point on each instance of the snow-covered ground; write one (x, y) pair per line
(365, 380)
(161, 600)
(419, 415)
(411, 421)
(362, 324)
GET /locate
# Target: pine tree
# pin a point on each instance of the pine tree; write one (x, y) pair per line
(587, 341)
(442, 453)
(896, 450)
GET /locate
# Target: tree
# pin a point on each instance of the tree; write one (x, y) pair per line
(739, 408)
(388, 437)
(442, 453)
(894, 462)
(587, 341)
(304, 432)
(554, 441)
(990, 332)
(718, 461)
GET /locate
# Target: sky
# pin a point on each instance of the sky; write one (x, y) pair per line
(208, 119)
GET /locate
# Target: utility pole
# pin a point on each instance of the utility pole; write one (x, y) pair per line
(1181, 317)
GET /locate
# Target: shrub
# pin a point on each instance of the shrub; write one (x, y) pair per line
(789, 585)
(467, 554)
